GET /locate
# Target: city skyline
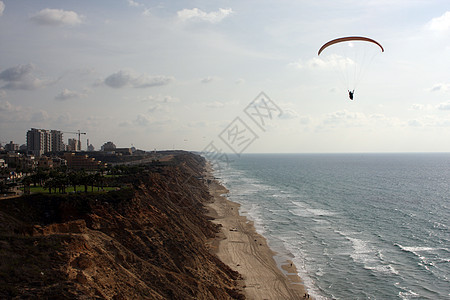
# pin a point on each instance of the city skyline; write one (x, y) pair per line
(176, 75)
(51, 140)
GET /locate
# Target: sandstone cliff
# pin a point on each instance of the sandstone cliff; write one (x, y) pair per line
(148, 241)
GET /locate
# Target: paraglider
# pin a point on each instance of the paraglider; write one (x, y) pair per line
(349, 38)
(350, 56)
(350, 94)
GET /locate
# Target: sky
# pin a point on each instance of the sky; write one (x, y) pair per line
(228, 76)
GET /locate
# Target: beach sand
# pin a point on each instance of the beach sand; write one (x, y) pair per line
(244, 250)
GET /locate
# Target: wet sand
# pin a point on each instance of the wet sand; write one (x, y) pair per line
(244, 250)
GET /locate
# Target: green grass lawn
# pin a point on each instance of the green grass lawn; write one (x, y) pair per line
(69, 189)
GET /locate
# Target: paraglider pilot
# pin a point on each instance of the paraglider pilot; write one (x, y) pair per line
(350, 94)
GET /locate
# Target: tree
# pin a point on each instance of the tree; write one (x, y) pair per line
(26, 184)
(75, 179)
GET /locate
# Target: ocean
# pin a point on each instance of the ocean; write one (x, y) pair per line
(357, 226)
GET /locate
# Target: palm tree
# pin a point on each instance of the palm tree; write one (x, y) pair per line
(26, 184)
(74, 179)
(84, 180)
(98, 179)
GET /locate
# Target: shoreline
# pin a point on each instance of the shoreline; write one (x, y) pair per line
(244, 250)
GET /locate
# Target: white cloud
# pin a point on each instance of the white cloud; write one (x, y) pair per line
(141, 120)
(126, 78)
(329, 61)
(134, 3)
(440, 87)
(49, 16)
(345, 118)
(158, 108)
(68, 94)
(296, 64)
(16, 73)
(417, 106)
(199, 15)
(39, 116)
(2, 8)
(215, 104)
(288, 114)
(441, 23)
(444, 106)
(161, 99)
(415, 123)
(207, 79)
(21, 78)
(5, 106)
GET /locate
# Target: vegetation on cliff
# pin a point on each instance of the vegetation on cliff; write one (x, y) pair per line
(147, 241)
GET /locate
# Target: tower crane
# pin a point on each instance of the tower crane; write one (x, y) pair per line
(79, 133)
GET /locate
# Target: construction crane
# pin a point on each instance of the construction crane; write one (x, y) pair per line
(79, 136)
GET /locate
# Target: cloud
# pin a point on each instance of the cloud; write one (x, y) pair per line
(215, 104)
(57, 17)
(440, 87)
(196, 14)
(68, 94)
(126, 78)
(134, 3)
(39, 116)
(441, 23)
(157, 108)
(2, 8)
(161, 99)
(288, 114)
(345, 118)
(207, 79)
(5, 106)
(297, 64)
(16, 73)
(444, 106)
(415, 123)
(141, 120)
(417, 106)
(328, 61)
(21, 78)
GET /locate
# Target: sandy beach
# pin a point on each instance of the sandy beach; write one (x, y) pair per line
(244, 250)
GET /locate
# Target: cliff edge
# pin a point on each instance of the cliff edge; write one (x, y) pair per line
(146, 241)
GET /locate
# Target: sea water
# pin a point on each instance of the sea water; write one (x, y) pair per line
(357, 226)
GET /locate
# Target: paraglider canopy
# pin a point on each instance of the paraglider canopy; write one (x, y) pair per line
(350, 57)
(347, 39)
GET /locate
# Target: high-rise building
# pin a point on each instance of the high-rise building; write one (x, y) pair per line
(39, 141)
(73, 145)
(90, 147)
(57, 141)
(12, 147)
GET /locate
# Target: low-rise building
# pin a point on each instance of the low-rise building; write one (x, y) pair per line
(108, 146)
(79, 162)
(45, 162)
(12, 147)
(123, 151)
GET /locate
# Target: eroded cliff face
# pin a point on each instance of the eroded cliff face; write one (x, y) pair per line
(147, 241)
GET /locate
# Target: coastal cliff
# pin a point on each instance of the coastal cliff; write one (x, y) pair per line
(148, 240)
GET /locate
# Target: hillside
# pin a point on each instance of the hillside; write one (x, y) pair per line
(147, 241)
